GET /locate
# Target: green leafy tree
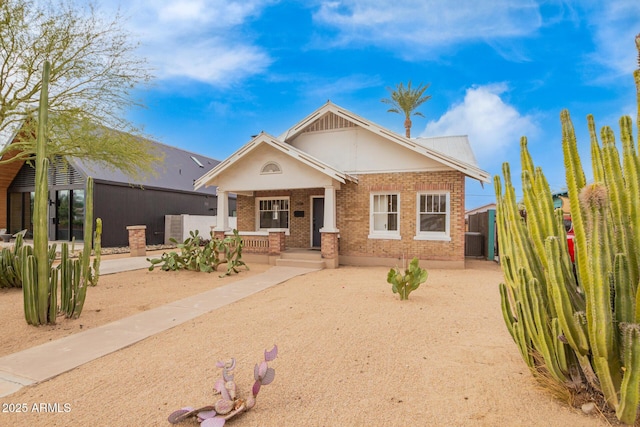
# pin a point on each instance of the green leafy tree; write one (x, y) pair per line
(94, 69)
(406, 101)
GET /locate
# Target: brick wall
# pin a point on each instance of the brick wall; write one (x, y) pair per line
(299, 200)
(352, 205)
(353, 216)
(246, 211)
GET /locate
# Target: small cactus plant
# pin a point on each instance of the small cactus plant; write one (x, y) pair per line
(229, 403)
(403, 285)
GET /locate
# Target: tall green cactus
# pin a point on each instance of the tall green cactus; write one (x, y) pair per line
(36, 287)
(33, 269)
(581, 329)
(86, 274)
(77, 274)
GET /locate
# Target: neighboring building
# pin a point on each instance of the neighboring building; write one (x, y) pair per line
(358, 192)
(473, 213)
(119, 200)
(481, 237)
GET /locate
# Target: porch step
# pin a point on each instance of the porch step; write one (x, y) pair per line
(305, 263)
(305, 254)
(306, 258)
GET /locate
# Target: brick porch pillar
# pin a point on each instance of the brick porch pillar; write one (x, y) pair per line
(137, 240)
(217, 234)
(329, 248)
(276, 242)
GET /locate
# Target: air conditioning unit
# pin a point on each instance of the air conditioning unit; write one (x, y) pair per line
(473, 244)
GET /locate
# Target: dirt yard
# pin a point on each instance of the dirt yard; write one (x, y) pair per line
(350, 354)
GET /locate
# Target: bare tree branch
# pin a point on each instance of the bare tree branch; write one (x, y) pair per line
(94, 70)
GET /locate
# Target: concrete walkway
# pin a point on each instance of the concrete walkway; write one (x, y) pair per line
(46, 361)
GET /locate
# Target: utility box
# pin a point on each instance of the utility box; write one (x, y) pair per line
(473, 244)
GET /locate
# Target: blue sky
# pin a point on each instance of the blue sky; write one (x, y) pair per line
(497, 69)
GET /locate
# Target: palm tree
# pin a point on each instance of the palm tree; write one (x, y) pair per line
(406, 101)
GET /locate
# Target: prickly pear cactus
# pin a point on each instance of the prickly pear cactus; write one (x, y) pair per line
(404, 284)
(229, 403)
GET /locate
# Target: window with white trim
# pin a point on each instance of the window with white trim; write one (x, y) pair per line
(433, 215)
(384, 216)
(273, 213)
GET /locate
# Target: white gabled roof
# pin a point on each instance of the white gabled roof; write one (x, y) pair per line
(455, 146)
(264, 138)
(461, 159)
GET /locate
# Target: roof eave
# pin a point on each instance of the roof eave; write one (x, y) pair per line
(468, 169)
(264, 138)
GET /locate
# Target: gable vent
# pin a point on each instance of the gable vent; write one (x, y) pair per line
(329, 121)
(26, 177)
(60, 173)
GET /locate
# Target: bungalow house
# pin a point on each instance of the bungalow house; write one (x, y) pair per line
(353, 191)
(119, 200)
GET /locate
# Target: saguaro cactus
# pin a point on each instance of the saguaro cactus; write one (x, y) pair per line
(38, 278)
(582, 330)
(36, 287)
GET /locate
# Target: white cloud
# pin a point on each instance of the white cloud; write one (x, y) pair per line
(493, 126)
(427, 24)
(201, 40)
(429, 28)
(615, 25)
(214, 62)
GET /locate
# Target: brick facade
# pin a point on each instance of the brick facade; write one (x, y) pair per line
(353, 216)
(352, 207)
(299, 226)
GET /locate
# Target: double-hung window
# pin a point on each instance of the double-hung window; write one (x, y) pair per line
(433, 212)
(273, 213)
(384, 216)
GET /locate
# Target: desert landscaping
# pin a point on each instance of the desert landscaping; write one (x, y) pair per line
(350, 354)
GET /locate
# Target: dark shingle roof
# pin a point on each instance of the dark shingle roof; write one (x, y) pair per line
(177, 172)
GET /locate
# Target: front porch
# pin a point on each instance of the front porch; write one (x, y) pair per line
(270, 247)
(285, 199)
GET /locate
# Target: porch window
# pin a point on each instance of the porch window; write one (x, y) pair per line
(273, 213)
(384, 216)
(433, 216)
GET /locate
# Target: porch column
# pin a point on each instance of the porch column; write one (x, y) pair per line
(329, 233)
(329, 210)
(330, 249)
(222, 216)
